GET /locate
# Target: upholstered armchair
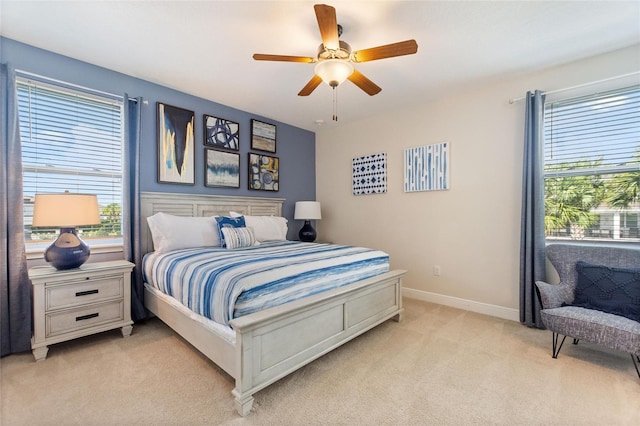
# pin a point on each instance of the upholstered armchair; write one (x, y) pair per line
(594, 281)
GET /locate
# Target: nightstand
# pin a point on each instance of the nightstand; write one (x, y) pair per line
(78, 302)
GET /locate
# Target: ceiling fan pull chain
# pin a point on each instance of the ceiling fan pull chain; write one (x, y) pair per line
(335, 104)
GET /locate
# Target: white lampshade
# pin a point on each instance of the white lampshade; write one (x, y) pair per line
(334, 71)
(307, 210)
(65, 210)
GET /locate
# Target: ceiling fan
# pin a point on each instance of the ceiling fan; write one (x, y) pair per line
(335, 59)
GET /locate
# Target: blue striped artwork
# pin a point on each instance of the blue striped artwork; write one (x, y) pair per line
(370, 174)
(426, 168)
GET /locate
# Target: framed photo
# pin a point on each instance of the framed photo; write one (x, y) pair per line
(176, 156)
(263, 136)
(221, 133)
(264, 172)
(222, 168)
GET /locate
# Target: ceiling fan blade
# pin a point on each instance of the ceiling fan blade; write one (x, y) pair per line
(328, 24)
(407, 47)
(283, 58)
(364, 83)
(311, 86)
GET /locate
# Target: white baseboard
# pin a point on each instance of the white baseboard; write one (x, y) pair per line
(467, 305)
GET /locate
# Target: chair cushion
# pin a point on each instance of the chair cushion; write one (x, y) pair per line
(613, 331)
(554, 295)
(608, 289)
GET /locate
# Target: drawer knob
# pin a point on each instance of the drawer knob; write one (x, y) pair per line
(87, 292)
(85, 317)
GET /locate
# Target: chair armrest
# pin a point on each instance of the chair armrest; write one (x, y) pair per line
(554, 295)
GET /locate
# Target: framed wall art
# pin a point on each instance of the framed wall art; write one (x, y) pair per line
(176, 156)
(222, 168)
(264, 172)
(426, 168)
(221, 133)
(263, 136)
(369, 174)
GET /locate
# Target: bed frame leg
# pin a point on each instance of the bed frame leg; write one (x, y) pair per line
(243, 403)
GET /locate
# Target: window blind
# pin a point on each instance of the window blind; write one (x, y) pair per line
(597, 133)
(71, 140)
(592, 166)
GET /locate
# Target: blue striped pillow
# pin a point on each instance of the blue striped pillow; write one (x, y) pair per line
(238, 237)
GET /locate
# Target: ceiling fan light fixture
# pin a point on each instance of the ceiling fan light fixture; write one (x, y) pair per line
(335, 57)
(334, 71)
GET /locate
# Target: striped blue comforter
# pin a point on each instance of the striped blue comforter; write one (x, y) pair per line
(223, 284)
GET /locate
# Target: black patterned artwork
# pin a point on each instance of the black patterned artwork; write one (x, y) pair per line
(221, 133)
(370, 174)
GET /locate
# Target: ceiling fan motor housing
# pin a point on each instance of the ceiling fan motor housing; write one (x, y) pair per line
(343, 52)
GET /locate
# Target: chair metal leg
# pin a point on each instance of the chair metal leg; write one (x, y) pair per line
(556, 348)
(635, 364)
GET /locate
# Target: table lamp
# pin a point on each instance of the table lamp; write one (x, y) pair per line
(307, 210)
(66, 211)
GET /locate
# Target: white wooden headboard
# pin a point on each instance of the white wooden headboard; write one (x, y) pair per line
(201, 205)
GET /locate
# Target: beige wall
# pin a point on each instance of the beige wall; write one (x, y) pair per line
(471, 230)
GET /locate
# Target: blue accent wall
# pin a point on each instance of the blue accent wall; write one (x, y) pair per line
(295, 147)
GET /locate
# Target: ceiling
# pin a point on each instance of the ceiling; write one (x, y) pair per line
(205, 48)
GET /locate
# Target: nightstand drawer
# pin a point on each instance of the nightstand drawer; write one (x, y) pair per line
(82, 292)
(78, 319)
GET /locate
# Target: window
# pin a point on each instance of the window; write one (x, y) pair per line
(592, 167)
(71, 140)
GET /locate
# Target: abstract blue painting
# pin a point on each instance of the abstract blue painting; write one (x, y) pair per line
(222, 168)
(370, 174)
(176, 157)
(426, 168)
(221, 133)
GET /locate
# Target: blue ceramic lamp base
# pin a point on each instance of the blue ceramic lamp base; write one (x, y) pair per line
(68, 251)
(307, 234)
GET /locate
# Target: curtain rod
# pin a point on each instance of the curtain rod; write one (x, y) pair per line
(514, 100)
(45, 79)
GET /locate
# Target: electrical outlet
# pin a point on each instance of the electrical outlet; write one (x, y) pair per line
(436, 270)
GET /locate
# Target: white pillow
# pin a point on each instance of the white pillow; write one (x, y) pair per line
(178, 232)
(238, 237)
(266, 228)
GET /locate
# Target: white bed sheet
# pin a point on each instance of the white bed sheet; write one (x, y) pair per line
(227, 333)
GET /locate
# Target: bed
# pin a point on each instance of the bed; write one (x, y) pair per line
(262, 347)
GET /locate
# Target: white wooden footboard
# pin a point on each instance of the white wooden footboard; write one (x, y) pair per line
(275, 342)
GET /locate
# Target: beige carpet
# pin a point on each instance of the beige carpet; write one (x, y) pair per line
(439, 366)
